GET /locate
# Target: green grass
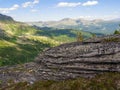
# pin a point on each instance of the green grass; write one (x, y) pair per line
(62, 35)
(108, 81)
(21, 45)
(64, 38)
(4, 43)
(111, 39)
(21, 53)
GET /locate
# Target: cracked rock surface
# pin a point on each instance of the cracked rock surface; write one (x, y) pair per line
(66, 61)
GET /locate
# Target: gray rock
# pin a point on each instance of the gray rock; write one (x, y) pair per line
(67, 61)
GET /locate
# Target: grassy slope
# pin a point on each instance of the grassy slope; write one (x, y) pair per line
(19, 44)
(61, 35)
(108, 81)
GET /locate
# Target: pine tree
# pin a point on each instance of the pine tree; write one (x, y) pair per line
(79, 37)
(116, 32)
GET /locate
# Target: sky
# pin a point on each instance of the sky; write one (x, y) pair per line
(47, 10)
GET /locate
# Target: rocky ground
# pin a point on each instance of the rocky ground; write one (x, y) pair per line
(66, 61)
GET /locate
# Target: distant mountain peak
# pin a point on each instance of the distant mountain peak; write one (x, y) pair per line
(67, 19)
(5, 18)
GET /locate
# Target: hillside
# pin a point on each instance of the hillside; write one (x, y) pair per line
(19, 42)
(93, 26)
(63, 35)
(5, 18)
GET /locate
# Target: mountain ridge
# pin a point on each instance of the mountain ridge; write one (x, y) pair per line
(6, 18)
(94, 26)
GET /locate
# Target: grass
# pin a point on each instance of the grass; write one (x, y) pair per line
(44, 40)
(111, 39)
(107, 81)
(17, 53)
(20, 44)
(4, 43)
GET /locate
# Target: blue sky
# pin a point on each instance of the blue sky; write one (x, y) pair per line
(45, 10)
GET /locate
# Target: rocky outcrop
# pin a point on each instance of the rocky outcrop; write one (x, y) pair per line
(67, 61)
(84, 59)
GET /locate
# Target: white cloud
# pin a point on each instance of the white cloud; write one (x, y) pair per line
(109, 17)
(75, 4)
(30, 4)
(104, 17)
(90, 3)
(35, 1)
(14, 7)
(67, 4)
(7, 10)
(34, 10)
(27, 4)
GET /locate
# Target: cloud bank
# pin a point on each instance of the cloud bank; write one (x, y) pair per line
(73, 4)
(90, 3)
(30, 4)
(16, 6)
(7, 10)
(66, 4)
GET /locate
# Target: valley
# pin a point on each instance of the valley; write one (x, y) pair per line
(21, 43)
(59, 44)
(32, 55)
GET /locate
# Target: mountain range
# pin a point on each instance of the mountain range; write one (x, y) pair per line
(93, 26)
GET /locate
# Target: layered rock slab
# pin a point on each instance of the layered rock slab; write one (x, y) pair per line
(66, 61)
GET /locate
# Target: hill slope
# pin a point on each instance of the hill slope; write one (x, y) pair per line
(62, 35)
(5, 18)
(19, 42)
